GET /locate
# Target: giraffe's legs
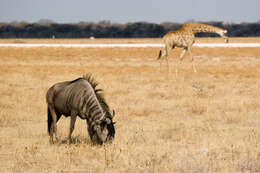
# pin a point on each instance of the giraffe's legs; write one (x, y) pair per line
(181, 58)
(183, 53)
(167, 61)
(167, 53)
(164, 54)
(193, 65)
(160, 64)
(161, 60)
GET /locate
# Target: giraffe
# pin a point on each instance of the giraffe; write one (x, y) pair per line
(184, 38)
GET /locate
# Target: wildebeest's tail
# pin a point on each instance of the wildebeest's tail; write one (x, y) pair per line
(160, 54)
(49, 120)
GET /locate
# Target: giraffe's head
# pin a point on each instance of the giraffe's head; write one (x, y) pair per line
(223, 34)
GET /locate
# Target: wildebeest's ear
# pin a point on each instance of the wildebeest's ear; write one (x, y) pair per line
(98, 90)
(113, 113)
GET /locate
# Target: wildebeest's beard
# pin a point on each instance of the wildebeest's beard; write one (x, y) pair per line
(102, 131)
(111, 131)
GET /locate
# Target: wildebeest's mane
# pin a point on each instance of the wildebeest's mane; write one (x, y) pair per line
(74, 80)
(98, 92)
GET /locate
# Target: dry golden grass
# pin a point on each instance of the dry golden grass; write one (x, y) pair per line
(198, 122)
(128, 40)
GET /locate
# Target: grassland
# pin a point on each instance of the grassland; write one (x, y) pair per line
(129, 40)
(207, 121)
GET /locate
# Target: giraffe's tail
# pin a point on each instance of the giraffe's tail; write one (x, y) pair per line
(160, 55)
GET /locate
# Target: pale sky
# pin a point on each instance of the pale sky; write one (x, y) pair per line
(122, 11)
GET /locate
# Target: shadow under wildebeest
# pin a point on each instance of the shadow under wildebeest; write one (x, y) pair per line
(80, 98)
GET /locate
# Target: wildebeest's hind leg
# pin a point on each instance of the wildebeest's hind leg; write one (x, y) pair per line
(52, 123)
(72, 124)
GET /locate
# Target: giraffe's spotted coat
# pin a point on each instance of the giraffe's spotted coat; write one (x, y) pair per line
(185, 38)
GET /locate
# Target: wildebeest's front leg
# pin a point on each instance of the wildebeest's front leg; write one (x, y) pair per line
(72, 124)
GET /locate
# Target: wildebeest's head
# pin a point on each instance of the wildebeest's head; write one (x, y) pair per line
(103, 130)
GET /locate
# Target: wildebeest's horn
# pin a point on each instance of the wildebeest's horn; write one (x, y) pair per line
(113, 114)
(98, 90)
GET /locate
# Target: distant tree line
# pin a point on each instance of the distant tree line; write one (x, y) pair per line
(106, 29)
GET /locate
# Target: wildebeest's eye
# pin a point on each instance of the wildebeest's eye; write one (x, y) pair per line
(103, 125)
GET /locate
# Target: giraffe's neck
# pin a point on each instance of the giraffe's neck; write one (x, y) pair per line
(196, 28)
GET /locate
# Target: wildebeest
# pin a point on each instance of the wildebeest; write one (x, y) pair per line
(80, 98)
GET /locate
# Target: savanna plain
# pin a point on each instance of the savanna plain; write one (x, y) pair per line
(201, 122)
